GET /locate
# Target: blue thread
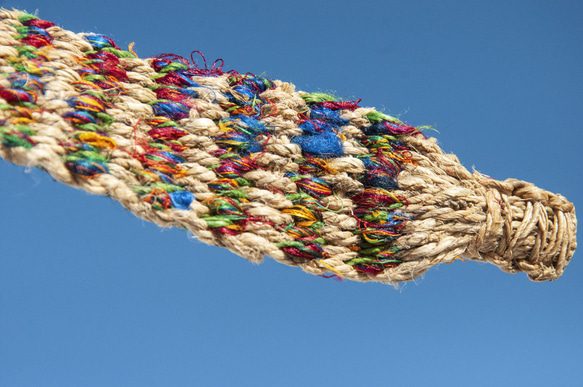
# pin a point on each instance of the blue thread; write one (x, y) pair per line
(186, 79)
(329, 115)
(190, 92)
(400, 145)
(86, 167)
(257, 84)
(172, 110)
(182, 199)
(25, 81)
(387, 128)
(390, 220)
(375, 129)
(250, 87)
(372, 180)
(316, 127)
(163, 177)
(78, 146)
(376, 166)
(227, 171)
(242, 133)
(34, 30)
(309, 127)
(382, 219)
(247, 125)
(172, 156)
(163, 60)
(324, 145)
(243, 90)
(100, 41)
(232, 98)
(246, 144)
(81, 115)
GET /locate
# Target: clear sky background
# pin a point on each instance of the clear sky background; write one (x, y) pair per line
(92, 296)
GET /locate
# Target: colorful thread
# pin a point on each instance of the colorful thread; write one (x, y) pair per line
(242, 140)
(307, 178)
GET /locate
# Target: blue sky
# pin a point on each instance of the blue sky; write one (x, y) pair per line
(92, 296)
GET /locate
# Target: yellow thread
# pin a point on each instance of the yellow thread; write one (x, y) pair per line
(329, 267)
(326, 167)
(301, 212)
(20, 120)
(455, 259)
(226, 126)
(92, 105)
(36, 69)
(89, 85)
(323, 164)
(97, 140)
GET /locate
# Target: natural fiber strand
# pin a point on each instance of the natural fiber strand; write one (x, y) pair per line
(255, 166)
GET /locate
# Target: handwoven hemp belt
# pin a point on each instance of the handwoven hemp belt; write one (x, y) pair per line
(255, 166)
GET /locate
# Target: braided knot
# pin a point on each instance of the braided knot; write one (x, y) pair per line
(527, 229)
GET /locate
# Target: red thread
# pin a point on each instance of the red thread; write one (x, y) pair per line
(36, 41)
(167, 133)
(346, 105)
(272, 105)
(15, 95)
(331, 276)
(107, 64)
(173, 79)
(215, 70)
(224, 230)
(368, 269)
(38, 23)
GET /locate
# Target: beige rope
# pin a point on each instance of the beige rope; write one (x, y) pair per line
(452, 212)
(512, 224)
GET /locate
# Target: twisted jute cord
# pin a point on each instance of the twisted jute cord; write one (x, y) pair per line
(446, 212)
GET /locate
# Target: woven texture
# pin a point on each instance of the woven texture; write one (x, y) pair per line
(255, 166)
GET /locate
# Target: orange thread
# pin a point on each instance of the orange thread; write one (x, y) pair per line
(131, 49)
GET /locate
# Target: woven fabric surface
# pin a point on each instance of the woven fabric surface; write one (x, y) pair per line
(255, 166)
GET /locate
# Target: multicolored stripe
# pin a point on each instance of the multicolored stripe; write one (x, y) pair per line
(161, 156)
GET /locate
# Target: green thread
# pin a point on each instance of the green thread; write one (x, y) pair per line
(234, 193)
(375, 117)
(25, 16)
(318, 97)
(86, 155)
(297, 196)
(216, 221)
(11, 138)
(366, 260)
(319, 241)
(174, 66)
(289, 244)
(327, 208)
(119, 53)
(244, 182)
(144, 190)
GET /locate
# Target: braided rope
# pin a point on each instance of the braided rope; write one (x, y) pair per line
(252, 165)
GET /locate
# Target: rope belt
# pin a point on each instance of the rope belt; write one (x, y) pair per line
(255, 166)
